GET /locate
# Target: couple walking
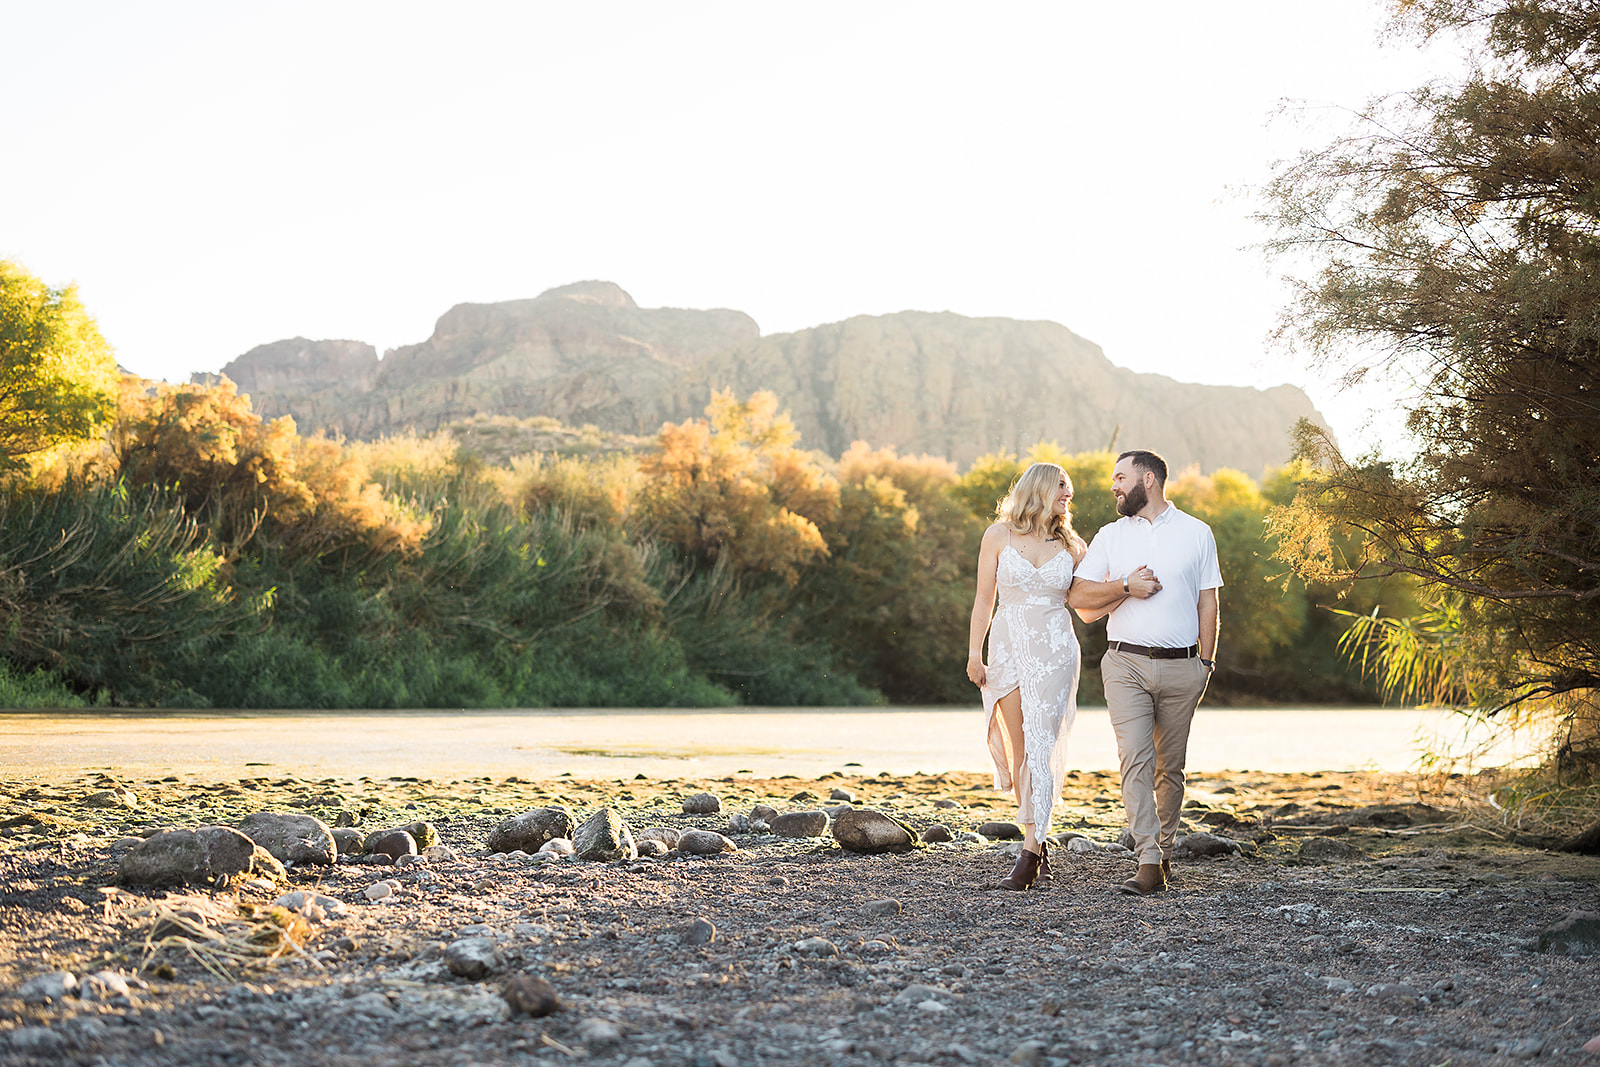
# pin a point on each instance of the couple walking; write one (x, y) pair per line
(1153, 576)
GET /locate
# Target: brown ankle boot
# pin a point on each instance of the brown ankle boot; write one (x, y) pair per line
(1045, 879)
(1024, 873)
(1148, 880)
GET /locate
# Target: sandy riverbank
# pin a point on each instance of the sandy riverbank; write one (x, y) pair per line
(612, 743)
(1365, 921)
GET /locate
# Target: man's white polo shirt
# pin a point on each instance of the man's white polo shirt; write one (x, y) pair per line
(1181, 552)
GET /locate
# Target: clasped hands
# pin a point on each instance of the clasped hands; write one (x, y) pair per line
(1142, 583)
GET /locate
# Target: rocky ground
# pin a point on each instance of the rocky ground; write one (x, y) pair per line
(1364, 919)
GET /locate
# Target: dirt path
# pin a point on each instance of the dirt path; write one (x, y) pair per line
(1363, 922)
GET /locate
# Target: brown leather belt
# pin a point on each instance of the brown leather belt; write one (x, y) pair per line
(1155, 653)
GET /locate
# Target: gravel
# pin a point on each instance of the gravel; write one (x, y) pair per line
(1417, 946)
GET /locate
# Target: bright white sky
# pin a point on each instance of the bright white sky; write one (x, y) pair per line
(215, 176)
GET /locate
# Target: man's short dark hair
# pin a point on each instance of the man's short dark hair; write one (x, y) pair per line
(1147, 461)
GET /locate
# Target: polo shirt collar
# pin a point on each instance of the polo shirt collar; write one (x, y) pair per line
(1160, 520)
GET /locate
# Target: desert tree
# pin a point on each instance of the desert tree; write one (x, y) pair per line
(58, 379)
(1450, 240)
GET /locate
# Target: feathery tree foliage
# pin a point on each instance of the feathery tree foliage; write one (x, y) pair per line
(1452, 239)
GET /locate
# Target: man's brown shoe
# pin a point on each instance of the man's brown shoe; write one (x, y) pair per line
(1148, 880)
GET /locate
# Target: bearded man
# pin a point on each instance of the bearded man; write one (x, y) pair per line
(1154, 572)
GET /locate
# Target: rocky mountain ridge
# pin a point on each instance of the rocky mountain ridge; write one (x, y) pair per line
(935, 382)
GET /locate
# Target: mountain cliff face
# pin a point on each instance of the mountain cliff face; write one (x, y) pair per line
(583, 353)
(960, 387)
(918, 381)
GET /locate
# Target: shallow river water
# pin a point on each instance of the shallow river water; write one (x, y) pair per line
(610, 743)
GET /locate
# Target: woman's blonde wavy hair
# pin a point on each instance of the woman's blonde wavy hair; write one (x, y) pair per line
(1027, 507)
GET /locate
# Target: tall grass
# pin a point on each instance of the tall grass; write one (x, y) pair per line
(745, 639)
(35, 689)
(497, 609)
(112, 590)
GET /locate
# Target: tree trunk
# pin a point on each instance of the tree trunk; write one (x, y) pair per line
(1586, 842)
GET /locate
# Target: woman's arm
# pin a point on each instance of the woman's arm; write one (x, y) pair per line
(1088, 615)
(994, 539)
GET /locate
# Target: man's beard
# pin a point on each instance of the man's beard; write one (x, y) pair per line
(1133, 501)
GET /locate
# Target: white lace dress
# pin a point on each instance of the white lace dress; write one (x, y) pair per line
(1033, 648)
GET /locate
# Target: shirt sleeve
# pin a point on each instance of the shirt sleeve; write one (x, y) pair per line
(1095, 567)
(1210, 570)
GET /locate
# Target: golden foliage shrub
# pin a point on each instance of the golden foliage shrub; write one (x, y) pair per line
(921, 478)
(242, 474)
(734, 488)
(1224, 489)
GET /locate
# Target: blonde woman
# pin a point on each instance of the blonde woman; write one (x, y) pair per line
(1030, 685)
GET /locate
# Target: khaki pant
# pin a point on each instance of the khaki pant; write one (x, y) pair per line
(1152, 703)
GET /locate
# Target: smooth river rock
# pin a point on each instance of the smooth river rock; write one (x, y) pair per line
(800, 824)
(1204, 844)
(1576, 935)
(531, 829)
(704, 843)
(291, 837)
(209, 855)
(1001, 831)
(392, 843)
(702, 804)
(349, 842)
(870, 830)
(667, 835)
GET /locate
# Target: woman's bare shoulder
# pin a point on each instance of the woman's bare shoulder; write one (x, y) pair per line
(997, 532)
